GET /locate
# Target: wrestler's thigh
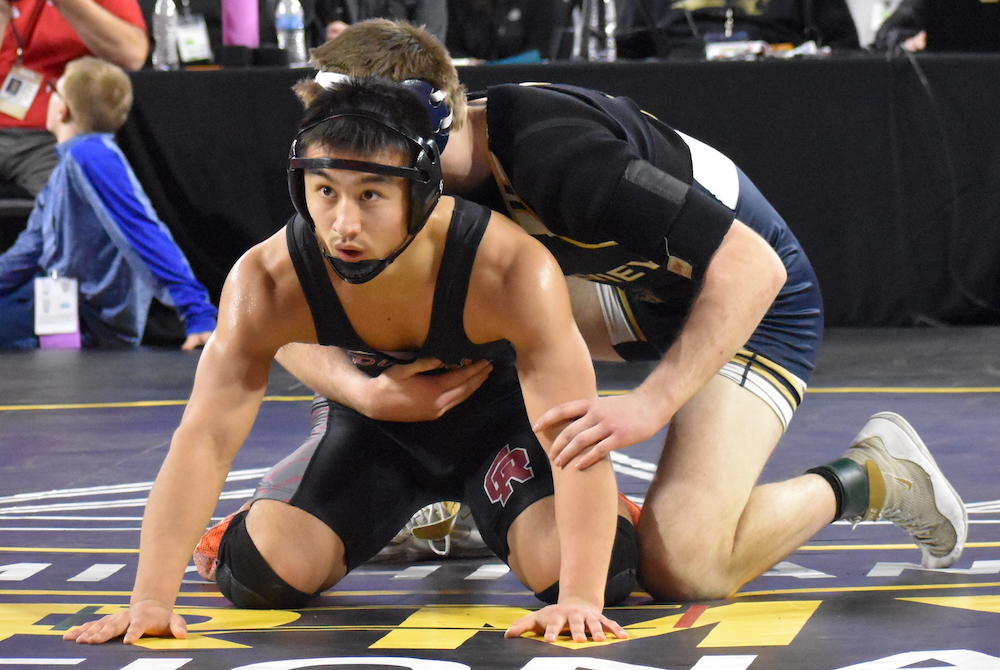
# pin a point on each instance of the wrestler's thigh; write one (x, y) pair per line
(715, 450)
(364, 485)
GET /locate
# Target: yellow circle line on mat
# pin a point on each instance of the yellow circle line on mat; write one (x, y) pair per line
(811, 547)
(137, 403)
(306, 398)
(876, 389)
(863, 589)
(374, 593)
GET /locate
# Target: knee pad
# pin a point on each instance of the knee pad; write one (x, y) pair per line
(621, 572)
(245, 578)
(550, 595)
(624, 564)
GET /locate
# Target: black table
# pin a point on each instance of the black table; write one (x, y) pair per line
(893, 186)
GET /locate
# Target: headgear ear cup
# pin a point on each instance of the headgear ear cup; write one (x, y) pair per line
(424, 195)
(297, 186)
(433, 101)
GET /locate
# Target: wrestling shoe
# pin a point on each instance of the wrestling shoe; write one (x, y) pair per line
(440, 530)
(206, 553)
(907, 487)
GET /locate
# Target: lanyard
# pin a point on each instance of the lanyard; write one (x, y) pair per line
(22, 44)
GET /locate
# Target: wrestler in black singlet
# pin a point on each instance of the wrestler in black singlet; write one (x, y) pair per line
(368, 477)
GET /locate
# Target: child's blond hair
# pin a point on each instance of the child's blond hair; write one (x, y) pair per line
(98, 94)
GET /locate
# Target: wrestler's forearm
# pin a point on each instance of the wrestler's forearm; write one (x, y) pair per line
(325, 370)
(180, 505)
(586, 517)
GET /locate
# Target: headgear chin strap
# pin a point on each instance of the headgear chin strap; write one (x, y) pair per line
(433, 100)
(426, 185)
(358, 272)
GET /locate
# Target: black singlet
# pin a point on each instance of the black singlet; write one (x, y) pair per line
(446, 339)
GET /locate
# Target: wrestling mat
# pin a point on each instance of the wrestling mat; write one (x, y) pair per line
(82, 435)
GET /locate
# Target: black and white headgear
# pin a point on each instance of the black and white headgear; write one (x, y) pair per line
(426, 186)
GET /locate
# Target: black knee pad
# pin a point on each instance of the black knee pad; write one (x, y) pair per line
(549, 595)
(246, 579)
(624, 564)
(621, 572)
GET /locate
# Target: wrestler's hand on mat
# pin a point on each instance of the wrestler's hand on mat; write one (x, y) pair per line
(576, 615)
(404, 393)
(598, 426)
(147, 617)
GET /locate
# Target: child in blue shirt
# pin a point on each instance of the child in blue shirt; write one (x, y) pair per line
(94, 223)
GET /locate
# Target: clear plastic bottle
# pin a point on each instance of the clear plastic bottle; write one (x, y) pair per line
(603, 21)
(289, 22)
(595, 23)
(165, 36)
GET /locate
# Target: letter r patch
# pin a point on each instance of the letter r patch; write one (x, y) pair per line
(510, 465)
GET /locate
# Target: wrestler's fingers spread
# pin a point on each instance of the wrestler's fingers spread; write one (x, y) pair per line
(597, 630)
(133, 633)
(579, 439)
(592, 456)
(615, 629)
(178, 628)
(516, 629)
(95, 632)
(72, 633)
(578, 630)
(587, 441)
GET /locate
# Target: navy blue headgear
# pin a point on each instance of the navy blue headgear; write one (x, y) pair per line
(426, 185)
(433, 100)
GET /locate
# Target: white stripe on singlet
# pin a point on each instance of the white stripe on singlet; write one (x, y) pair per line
(763, 388)
(615, 319)
(714, 171)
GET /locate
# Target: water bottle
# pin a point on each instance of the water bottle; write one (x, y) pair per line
(603, 21)
(289, 22)
(165, 36)
(594, 25)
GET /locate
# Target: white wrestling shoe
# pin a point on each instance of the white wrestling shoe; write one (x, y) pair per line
(908, 488)
(440, 530)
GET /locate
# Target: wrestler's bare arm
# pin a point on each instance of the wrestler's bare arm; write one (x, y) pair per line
(741, 282)
(400, 393)
(255, 318)
(518, 293)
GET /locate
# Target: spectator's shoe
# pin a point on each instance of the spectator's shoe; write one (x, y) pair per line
(633, 508)
(206, 554)
(441, 530)
(907, 487)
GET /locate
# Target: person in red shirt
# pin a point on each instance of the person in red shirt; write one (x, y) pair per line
(39, 38)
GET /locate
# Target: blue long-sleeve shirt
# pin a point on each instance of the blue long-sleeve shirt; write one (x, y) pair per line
(93, 222)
